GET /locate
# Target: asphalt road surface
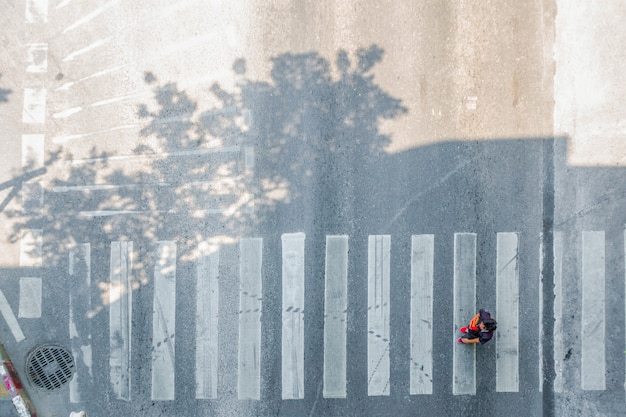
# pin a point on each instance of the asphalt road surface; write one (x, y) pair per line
(280, 208)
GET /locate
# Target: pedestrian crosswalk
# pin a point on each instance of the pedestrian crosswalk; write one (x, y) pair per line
(420, 365)
(507, 306)
(464, 360)
(120, 318)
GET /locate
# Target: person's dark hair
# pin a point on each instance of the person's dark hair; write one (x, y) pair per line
(490, 324)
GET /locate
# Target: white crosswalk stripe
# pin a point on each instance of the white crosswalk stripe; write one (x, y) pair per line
(464, 359)
(421, 362)
(592, 327)
(120, 318)
(507, 311)
(335, 316)
(164, 322)
(378, 334)
(250, 310)
(207, 316)
(80, 319)
(421, 366)
(293, 316)
(558, 312)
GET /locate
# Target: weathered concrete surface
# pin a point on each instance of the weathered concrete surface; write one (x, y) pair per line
(445, 126)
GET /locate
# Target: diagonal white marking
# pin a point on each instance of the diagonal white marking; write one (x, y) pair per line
(10, 319)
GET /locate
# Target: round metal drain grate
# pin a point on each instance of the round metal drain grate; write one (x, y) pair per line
(49, 367)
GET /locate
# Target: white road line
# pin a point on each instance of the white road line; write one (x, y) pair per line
(464, 359)
(507, 311)
(32, 158)
(196, 214)
(66, 138)
(195, 152)
(593, 361)
(335, 316)
(67, 113)
(164, 322)
(90, 16)
(69, 84)
(540, 324)
(378, 336)
(31, 254)
(106, 213)
(86, 49)
(249, 157)
(33, 151)
(558, 312)
(80, 324)
(37, 58)
(30, 298)
(119, 99)
(421, 321)
(34, 110)
(36, 11)
(120, 318)
(10, 319)
(207, 320)
(250, 311)
(63, 3)
(293, 316)
(218, 186)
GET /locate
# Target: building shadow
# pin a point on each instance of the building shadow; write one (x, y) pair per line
(300, 152)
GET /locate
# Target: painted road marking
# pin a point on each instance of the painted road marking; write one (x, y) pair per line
(31, 253)
(164, 322)
(540, 324)
(507, 310)
(335, 316)
(86, 49)
(558, 312)
(293, 316)
(10, 319)
(33, 151)
(464, 360)
(207, 320)
(249, 157)
(37, 58)
(164, 155)
(593, 328)
(69, 84)
(30, 298)
(80, 323)
(32, 159)
(250, 311)
(120, 318)
(87, 18)
(36, 11)
(34, 110)
(421, 321)
(378, 339)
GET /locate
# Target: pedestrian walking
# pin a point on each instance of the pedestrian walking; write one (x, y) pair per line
(480, 330)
